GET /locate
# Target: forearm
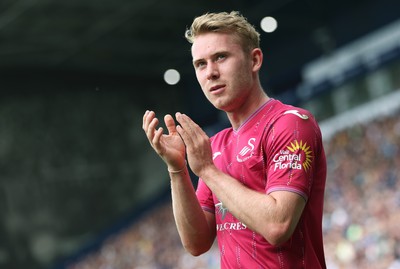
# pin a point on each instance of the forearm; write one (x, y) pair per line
(196, 234)
(262, 213)
(237, 198)
(197, 231)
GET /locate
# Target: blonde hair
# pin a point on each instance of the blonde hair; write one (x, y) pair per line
(223, 22)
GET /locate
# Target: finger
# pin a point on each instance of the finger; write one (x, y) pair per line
(151, 128)
(170, 124)
(149, 125)
(188, 124)
(183, 120)
(144, 119)
(156, 140)
(147, 118)
(184, 129)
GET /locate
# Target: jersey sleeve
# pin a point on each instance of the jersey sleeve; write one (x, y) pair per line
(291, 148)
(205, 197)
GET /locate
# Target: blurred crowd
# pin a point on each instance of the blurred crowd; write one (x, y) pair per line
(361, 212)
(362, 202)
(151, 243)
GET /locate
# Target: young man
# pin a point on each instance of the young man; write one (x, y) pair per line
(261, 182)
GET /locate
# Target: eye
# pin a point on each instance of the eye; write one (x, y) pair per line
(221, 57)
(200, 64)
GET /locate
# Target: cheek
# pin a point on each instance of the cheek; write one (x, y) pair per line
(246, 75)
(202, 82)
(200, 77)
(199, 80)
(241, 79)
(240, 72)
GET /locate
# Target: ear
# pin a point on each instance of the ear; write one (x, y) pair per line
(257, 59)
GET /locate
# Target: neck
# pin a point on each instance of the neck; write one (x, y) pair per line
(239, 116)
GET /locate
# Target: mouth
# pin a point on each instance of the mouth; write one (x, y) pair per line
(217, 89)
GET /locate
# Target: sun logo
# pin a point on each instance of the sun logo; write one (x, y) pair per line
(295, 145)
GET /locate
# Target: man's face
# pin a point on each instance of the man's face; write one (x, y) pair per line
(224, 71)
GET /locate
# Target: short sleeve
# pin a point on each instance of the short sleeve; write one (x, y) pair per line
(205, 197)
(291, 148)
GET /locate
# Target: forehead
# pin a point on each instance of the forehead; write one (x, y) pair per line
(208, 44)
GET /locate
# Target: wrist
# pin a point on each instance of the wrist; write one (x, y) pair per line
(177, 171)
(208, 172)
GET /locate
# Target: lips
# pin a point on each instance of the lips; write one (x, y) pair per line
(217, 88)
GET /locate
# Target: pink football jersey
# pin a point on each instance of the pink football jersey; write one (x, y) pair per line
(279, 148)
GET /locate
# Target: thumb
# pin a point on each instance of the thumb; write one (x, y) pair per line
(170, 124)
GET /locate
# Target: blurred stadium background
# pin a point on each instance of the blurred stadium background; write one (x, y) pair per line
(80, 188)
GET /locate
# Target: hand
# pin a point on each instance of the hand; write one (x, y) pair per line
(198, 146)
(169, 147)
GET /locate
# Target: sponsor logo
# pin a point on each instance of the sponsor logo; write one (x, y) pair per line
(228, 226)
(297, 113)
(247, 151)
(297, 156)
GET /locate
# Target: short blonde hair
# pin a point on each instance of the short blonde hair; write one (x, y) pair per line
(223, 22)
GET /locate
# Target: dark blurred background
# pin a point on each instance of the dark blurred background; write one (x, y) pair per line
(77, 76)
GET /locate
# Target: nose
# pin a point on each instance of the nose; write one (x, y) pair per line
(212, 71)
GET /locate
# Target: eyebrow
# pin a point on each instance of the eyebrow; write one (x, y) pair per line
(195, 62)
(225, 52)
